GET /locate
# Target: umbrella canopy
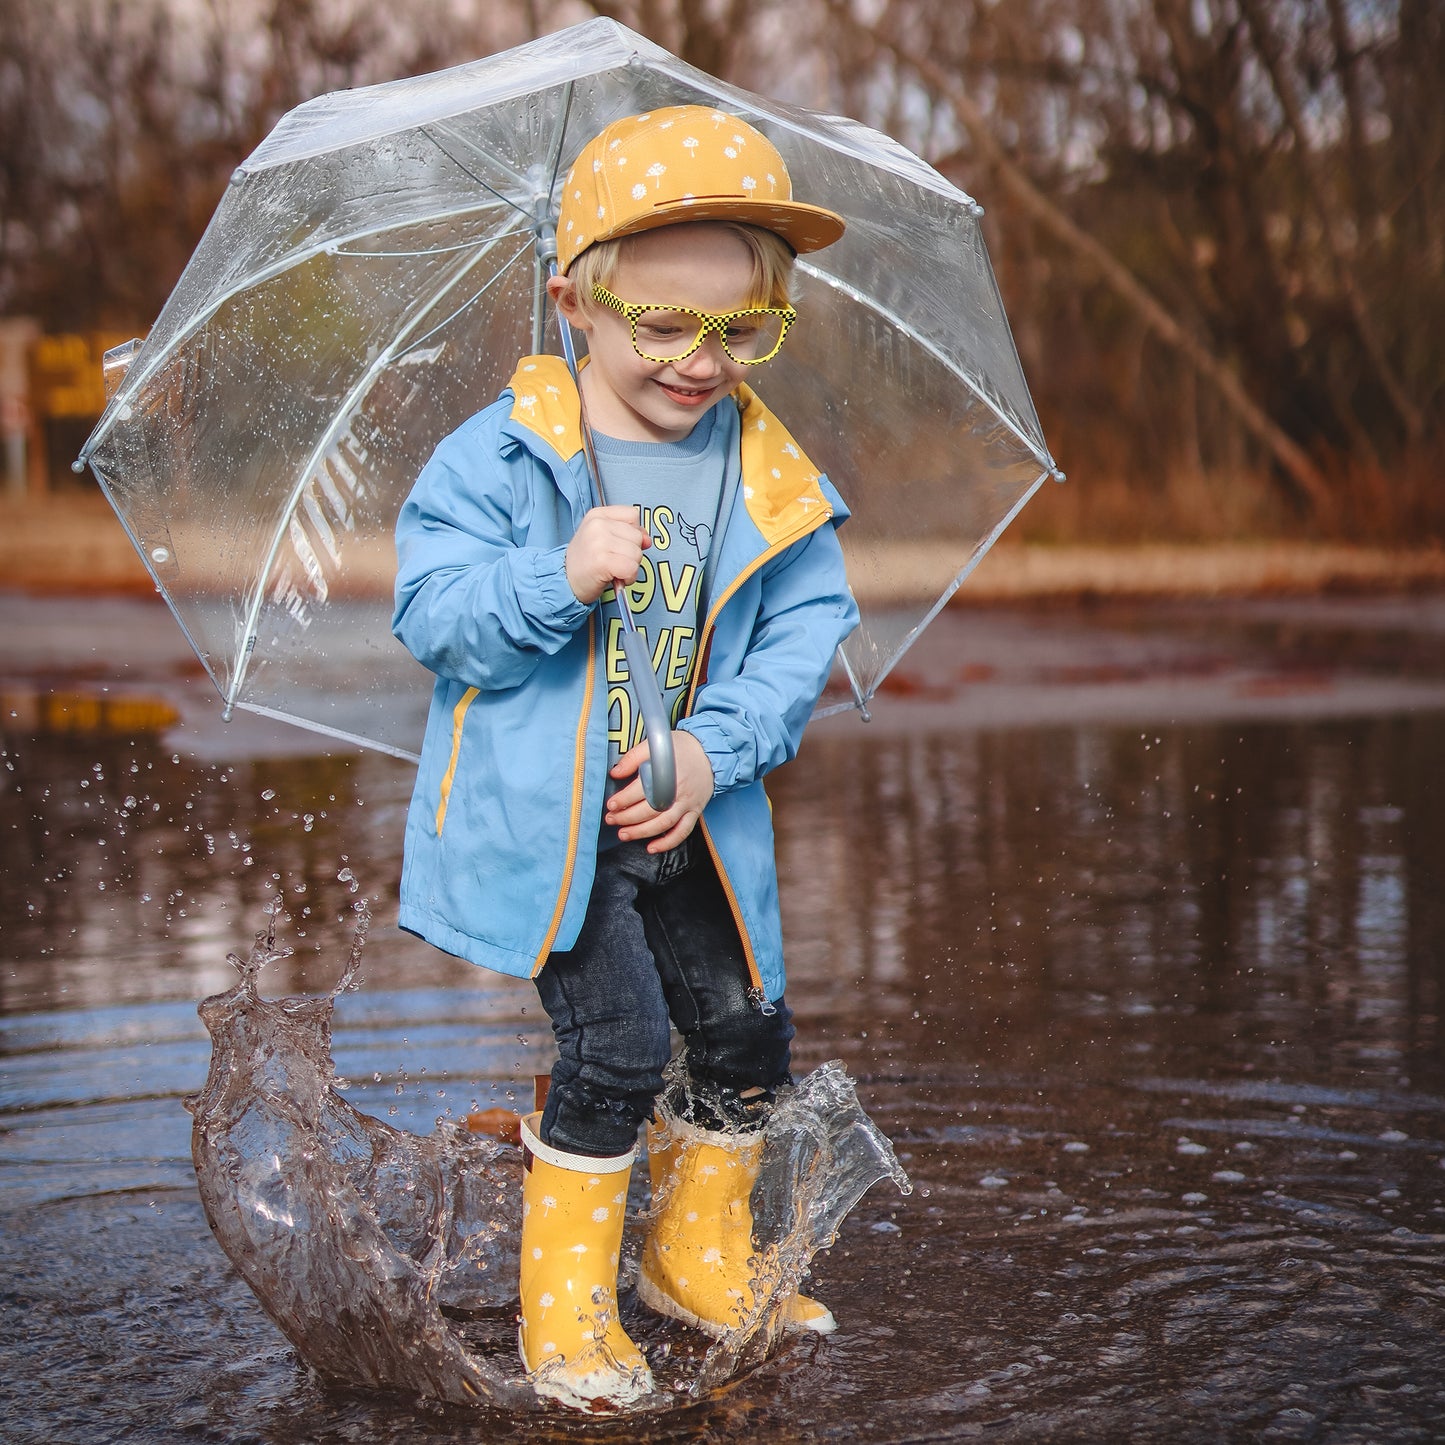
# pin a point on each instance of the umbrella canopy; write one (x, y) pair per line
(369, 281)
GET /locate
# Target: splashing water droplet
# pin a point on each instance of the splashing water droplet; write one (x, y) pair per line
(333, 1215)
(304, 1199)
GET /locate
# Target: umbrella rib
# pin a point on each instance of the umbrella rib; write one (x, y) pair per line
(336, 250)
(470, 301)
(340, 734)
(860, 701)
(870, 303)
(467, 171)
(541, 268)
(323, 444)
(541, 203)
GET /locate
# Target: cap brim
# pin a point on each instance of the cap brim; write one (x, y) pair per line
(803, 227)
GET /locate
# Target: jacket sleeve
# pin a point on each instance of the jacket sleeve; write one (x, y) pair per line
(481, 588)
(753, 721)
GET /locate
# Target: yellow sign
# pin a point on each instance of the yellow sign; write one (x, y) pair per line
(66, 378)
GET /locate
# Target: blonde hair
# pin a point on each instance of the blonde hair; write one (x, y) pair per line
(770, 284)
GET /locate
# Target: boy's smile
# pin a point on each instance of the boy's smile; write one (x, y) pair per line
(699, 265)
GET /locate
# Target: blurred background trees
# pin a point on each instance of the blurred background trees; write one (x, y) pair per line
(1219, 224)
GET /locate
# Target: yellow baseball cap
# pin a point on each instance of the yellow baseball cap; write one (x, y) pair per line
(683, 163)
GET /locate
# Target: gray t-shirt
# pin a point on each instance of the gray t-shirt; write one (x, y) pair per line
(680, 489)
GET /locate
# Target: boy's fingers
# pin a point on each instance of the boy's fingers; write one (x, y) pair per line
(675, 835)
(622, 521)
(626, 810)
(630, 761)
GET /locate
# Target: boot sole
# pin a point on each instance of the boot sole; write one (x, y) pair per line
(662, 1303)
(626, 1387)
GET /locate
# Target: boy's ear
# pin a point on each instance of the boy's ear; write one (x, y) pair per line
(563, 291)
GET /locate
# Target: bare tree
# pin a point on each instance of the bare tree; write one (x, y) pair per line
(123, 120)
(1219, 224)
(1233, 174)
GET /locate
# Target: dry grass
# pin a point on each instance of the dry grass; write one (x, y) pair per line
(1399, 508)
(74, 544)
(1018, 571)
(1182, 508)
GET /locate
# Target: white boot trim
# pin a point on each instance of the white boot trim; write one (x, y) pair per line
(575, 1163)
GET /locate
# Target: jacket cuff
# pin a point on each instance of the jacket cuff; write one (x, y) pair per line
(559, 601)
(722, 756)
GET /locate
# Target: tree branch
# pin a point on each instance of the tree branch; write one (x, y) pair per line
(1268, 46)
(1291, 457)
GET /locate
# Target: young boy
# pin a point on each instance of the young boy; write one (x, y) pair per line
(531, 846)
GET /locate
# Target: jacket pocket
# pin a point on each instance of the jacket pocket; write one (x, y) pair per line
(459, 717)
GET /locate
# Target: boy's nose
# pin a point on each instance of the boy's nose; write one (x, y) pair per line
(707, 360)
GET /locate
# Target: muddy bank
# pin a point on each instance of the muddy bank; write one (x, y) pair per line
(74, 544)
(72, 666)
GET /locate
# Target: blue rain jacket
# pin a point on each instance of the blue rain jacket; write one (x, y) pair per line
(502, 830)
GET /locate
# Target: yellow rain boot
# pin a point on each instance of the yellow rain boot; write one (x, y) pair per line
(697, 1259)
(573, 1210)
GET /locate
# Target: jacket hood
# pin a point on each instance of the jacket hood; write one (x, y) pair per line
(782, 489)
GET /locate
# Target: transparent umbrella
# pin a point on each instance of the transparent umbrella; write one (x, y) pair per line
(369, 280)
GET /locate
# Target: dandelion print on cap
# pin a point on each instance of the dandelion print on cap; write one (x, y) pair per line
(684, 163)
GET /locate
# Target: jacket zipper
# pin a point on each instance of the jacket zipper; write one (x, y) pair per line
(459, 718)
(756, 993)
(574, 824)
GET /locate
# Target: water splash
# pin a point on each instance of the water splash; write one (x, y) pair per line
(821, 1154)
(370, 1247)
(351, 1234)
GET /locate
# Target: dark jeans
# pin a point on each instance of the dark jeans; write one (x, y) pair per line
(658, 946)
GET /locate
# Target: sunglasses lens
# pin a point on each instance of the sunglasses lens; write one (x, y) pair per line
(663, 335)
(753, 335)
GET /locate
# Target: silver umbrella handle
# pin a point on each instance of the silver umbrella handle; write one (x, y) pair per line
(659, 772)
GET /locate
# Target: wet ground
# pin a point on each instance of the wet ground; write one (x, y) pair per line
(1129, 922)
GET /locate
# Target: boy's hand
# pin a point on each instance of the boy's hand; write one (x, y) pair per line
(607, 547)
(634, 817)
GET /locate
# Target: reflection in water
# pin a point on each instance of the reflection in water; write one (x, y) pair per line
(130, 871)
(1245, 899)
(1153, 1018)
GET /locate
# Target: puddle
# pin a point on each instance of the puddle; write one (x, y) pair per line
(1150, 1007)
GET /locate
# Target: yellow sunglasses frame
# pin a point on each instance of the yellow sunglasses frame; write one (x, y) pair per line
(712, 321)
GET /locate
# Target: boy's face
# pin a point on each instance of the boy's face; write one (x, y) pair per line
(698, 265)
